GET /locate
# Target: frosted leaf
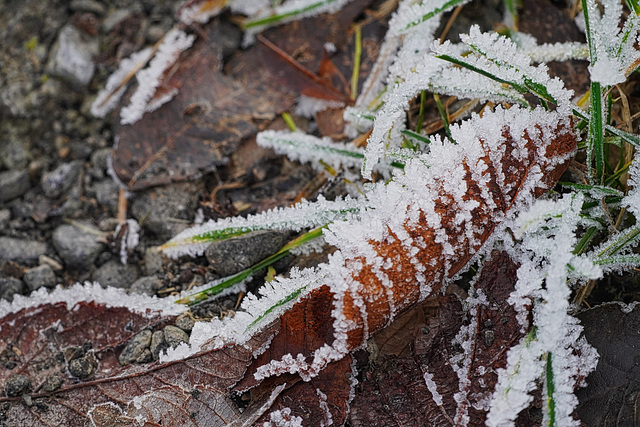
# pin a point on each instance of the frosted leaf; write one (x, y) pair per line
(173, 44)
(613, 50)
(283, 418)
(111, 297)
(194, 241)
(108, 97)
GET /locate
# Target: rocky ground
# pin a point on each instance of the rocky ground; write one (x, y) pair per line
(58, 204)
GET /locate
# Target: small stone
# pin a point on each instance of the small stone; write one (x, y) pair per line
(145, 357)
(13, 153)
(5, 217)
(99, 162)
(83, 367)
(158, 344)
(152, 261)
(13, 183)
(72, 57)
(107, 194)
(61, 179)
(40, 276)
(161, 207)
(114, 18)
(17, 385)
(19, 250)
(174, 336)
(52, 383)
(9, 287)
(72, 353)
(185, 322)
(91, 6)
(135, 347)
(114, 274)
(147, 285)
(77, 248)
(230, 256)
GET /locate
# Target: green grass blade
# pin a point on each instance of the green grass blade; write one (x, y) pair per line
(284, 251)
(293, 295)
(551, 403)
(621, 242)
(447, 5)
(273, 19)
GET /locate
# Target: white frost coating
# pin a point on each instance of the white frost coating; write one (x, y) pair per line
(545, 255)
(129, 239)
(289, 11)
(108, 97)
(111, 297)
(322, 402)
(174, 43)
(632, 200)
(433, 388)
(297, 217)
(283, 418)
(308, 106)
(299, 146)
(614, 48)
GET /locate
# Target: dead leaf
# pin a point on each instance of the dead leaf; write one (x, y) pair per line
(39, 343)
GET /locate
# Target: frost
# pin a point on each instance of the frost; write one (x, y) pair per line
(108, 97)
(194, 241)
(110, 297)
(283, 418)
(173, 44)
(545, 256)
(433, 388)
(286, 12)
(632, 200)
(613, 53)
(129, 238)
(308, 106)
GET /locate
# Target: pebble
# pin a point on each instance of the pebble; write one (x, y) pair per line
(174, 336)
(91, 6)
(83, 367)
(158, 344)
(152, 261)
(72, 57)
(116, 275)
(99, 162)
(166, 210)
(13, 154)
(20, 250)
(135, 347)
(107, 194)
(148, 285)
(230, 256)
(61, 179)
(10, 286)
(52, 383)
(13, 183)
(40, 276)
(76, 247)
(185, 322)
(5, 217)
(16, 385)
(114, 18)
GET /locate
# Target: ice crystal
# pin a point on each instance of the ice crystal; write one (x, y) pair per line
(632, 199)
(108, 97)
(89, 291)
(173, 44)
(613, 49)
(545, 256)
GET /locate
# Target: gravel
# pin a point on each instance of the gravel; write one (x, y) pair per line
(20, 250)
(13, 183)
(77, 248)
(10, 286)
(115, 274)
(61, 179)
(40, 276)
(134, 349)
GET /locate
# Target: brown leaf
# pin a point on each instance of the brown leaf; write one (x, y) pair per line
(394, 387)
(40, 343)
